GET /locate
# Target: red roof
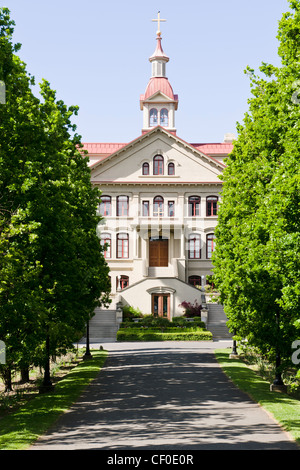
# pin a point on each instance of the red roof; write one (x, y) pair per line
(223, 148)
(101, 148)
(159, 53)
(159, 84)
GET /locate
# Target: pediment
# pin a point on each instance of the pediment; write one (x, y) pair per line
(159, 97)
(125, 165)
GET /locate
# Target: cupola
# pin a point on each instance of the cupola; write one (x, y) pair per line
(158, 103)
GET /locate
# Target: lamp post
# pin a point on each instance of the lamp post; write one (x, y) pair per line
(234, 354)
(87, 354)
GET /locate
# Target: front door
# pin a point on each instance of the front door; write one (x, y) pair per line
(158, 252)
(161, 305)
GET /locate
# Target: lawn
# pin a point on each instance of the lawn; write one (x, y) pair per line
(18, 430)
(284, 408)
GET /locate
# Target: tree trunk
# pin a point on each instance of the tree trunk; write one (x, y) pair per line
(25, 374)
(7, 379)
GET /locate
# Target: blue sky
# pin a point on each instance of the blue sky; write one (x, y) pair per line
(95, 55)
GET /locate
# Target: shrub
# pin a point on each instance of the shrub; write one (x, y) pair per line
(131, 312)
(153, 335)
(191, 310)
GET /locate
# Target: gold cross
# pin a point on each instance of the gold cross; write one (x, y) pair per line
(158, 23)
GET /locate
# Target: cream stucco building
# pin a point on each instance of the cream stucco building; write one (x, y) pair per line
(159, 202)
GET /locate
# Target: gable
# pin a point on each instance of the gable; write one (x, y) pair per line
(125, 165)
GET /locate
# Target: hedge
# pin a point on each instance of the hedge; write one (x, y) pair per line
(132, 334)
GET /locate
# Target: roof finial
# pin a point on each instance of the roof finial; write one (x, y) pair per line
(158, 19)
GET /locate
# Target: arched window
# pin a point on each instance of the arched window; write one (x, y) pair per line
(158, 165)
(194, 206)
(171, 169)
(153, 117)
(145, 168)
(195, 280)
(122, 245)
(122, 205)
(122, 282)
(105, 206)
(106, 243)
(158, 206)
(194, 246)
(210, 244)
(164, 117)
(211, 205)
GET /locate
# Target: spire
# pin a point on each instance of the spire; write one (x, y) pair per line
(158, 58)
(159, 103)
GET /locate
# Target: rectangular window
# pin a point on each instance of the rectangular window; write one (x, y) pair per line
(211, 206)
(122, 206)
(122, 245)
(106, 243)
(171, 208)
(105, 206)
(145, 209)
(210, 245)
(194, 206)
(194, 247)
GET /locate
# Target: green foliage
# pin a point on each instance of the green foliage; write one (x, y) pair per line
(151, 328)
(257, 252)
(150, 334)
(131, 312)
(21, 428)
(191, 309)
(52, 270)
(149, 321)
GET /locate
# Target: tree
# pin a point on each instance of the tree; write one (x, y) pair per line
(256, 262)
(52, 268)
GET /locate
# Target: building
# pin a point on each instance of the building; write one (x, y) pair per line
(159, 202)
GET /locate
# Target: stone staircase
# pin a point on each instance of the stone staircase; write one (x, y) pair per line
(217, 321)
(103, 326)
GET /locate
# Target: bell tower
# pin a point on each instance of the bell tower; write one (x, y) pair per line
(159, 102)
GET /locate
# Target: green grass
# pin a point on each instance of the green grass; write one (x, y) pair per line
(284, 409)
(21, 428)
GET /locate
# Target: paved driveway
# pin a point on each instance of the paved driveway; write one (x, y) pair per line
(168, 396)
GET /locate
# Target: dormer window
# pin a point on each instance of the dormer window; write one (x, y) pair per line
(171, 169)
(145, 169)
(158, 165)
(164, 117)
(153, 117)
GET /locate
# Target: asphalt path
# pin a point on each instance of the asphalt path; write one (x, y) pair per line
(164, 396)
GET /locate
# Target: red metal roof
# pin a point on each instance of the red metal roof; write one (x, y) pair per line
(159, 53)
(161, 84)
(102, 148)
(215, 148)
(107, 148)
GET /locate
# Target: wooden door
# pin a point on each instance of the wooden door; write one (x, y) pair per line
(158, 253)
(161, 305)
